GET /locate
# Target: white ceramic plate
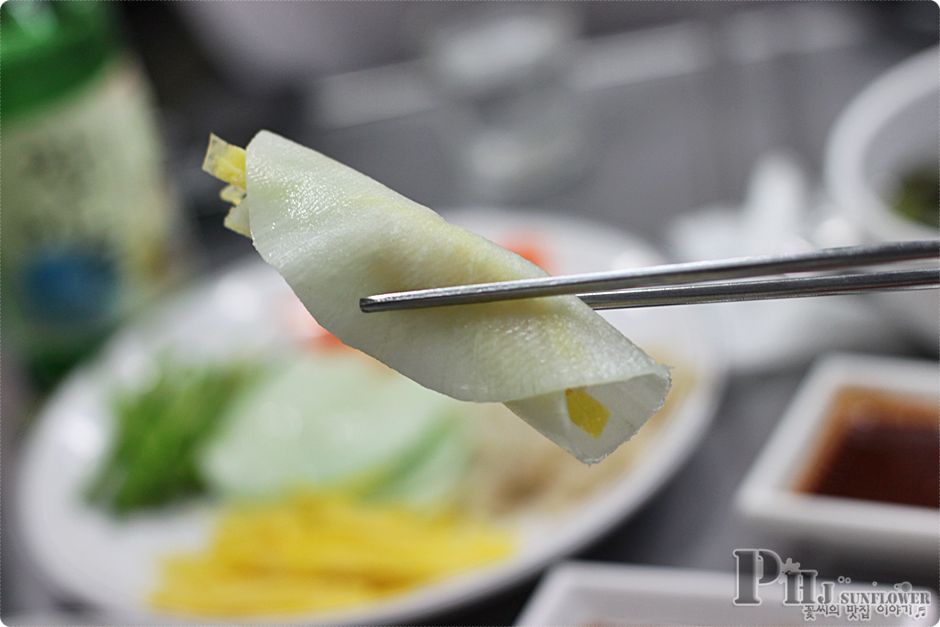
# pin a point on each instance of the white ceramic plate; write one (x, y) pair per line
(767, 497)
(114, 564)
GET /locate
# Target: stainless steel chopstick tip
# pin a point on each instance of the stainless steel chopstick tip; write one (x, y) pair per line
(701, 273)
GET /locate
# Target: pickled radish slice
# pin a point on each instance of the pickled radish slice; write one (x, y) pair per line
(336, 235)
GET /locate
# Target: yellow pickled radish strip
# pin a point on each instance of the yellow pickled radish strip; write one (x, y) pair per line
(317, 552)
(225, 162)
(232, 194)
(237, 220)
(586, 411)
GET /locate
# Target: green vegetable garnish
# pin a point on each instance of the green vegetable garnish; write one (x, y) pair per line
(158, 434)
(339, 423)
(918, 197)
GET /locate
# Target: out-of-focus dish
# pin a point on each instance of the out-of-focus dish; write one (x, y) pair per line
(482, 469)
(836, 468)
(885, 136)
(877, 446)
(886, 133)
(582, 593)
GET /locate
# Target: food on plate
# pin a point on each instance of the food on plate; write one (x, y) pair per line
(917, 197)
(530, 247)
(323, 417)
(878, 446)
(339, 421)
(514, 472)
(368, 512)
(336, 235)
(322, 552)
(157, 434)
(308, 425)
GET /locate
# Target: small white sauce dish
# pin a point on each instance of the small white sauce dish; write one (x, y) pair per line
(593, 594)
(768, 495)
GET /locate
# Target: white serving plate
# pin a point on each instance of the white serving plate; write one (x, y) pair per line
(114, 564)
(584, 593)
(767, 498)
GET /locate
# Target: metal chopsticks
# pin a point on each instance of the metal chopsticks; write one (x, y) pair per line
(646, 287)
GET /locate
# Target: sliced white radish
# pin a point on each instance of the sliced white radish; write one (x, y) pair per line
(336, 235)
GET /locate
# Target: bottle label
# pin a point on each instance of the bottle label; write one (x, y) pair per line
(86, 216)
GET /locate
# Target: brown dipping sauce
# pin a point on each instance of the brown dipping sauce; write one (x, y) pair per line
(878, 446)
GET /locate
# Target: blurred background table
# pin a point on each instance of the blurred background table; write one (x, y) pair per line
(681, 98)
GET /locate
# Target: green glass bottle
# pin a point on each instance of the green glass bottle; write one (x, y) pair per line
(88, 223)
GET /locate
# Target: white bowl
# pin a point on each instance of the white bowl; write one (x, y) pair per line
(582, 593)
(767, 496)
(888, 129)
